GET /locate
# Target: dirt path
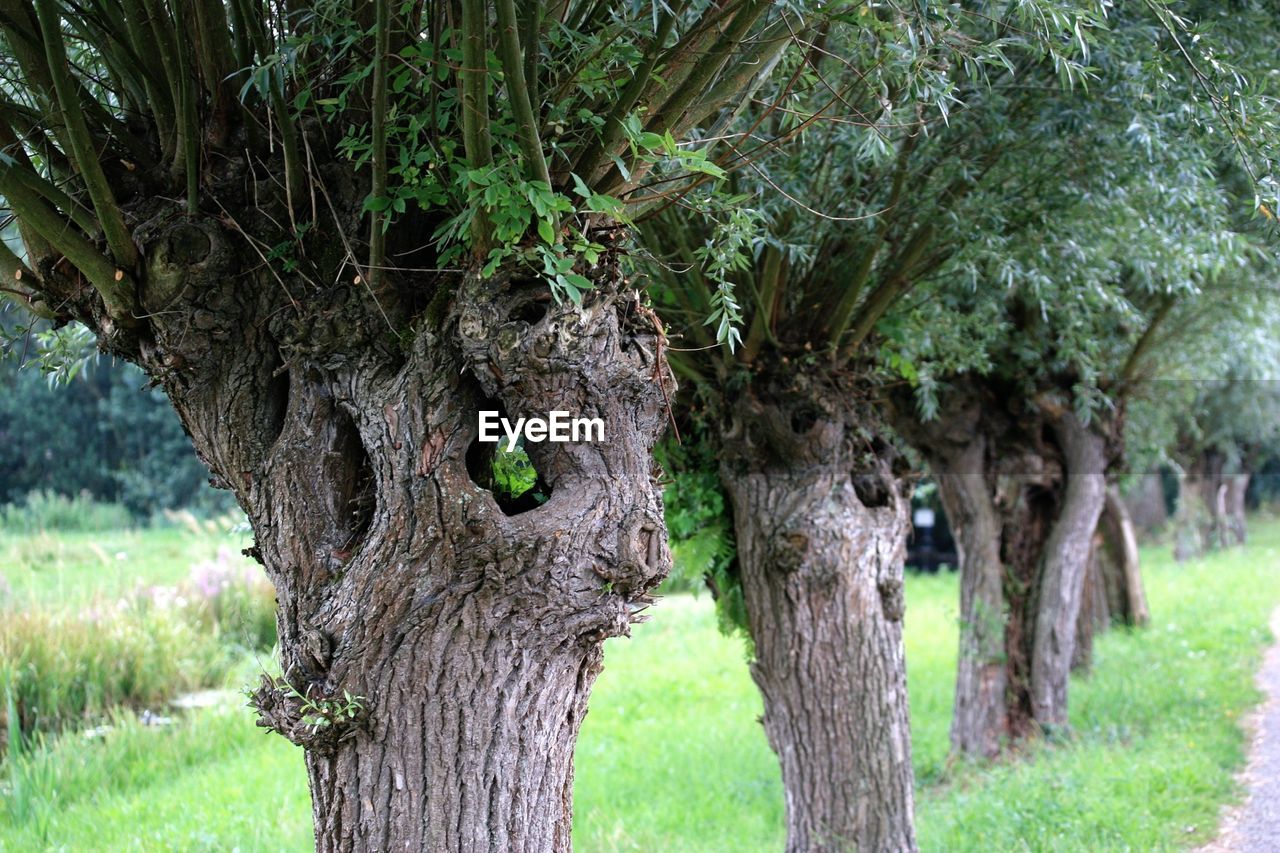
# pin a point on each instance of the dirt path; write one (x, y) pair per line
(1254, 826)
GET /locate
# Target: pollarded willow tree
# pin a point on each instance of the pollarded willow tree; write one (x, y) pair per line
(1212, 412)
(1023, 445)
(1097, 298)
(883, 163)
(333, 232)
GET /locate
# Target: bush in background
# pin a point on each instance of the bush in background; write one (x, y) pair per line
(105, 432)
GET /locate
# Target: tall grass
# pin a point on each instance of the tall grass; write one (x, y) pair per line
(60, 666)
(48, 510)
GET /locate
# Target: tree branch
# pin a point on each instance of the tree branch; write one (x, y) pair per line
(114, 284)
(377, 218)
(81, 143)
(474, 82)
(527, 134)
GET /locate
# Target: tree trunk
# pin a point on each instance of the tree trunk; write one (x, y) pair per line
(979, 720)
(1145, 503)
(821, 525)
(1188, 520)
(1064, 561)
(1023, 489)
(1211, 505)
(1113, 592)
(439, 643)
(1236, 524)
(1095, 606)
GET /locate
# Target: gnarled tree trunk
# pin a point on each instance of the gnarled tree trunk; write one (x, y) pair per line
(1113, 590)
(438, 644)
(1211, 504)
(979, 718)
(821, 521)
(1064, 561)
(1023, 488)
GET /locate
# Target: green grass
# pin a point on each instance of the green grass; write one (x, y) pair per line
(76, 568)
(671, 756)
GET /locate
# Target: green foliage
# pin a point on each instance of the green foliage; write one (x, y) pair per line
(593, 107)
(700, 525)
(322, 713)
(513, 471)
(102, 432)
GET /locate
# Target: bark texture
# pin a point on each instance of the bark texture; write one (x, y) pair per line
(821, 520)
(1113, 589)
(438, 645)
(1023, 485)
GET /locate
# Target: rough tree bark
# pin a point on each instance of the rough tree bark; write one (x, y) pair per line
(821, 521)
(1023, 485)
(1113, 590)
(979, 717)
(469, 637)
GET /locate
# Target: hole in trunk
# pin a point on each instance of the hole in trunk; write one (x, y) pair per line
(803, 419)
(872, 490)
(276, 400)
(509, 475)
(356, 493)
(531, 310)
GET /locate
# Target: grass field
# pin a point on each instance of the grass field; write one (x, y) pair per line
(74, 568)
(671, 756)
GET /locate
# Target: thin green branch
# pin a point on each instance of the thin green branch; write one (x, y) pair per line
(155, 79)
(844, 313)
(113, 283)
(289, 145)
(596, 158)
(705, 67)
(377, 217)
(772, 276)
(883, 297)
(527, 135)
(12, 269)
(82, 148)
(189, 121)
(474, 80)
(1133, 364)
(164, 43)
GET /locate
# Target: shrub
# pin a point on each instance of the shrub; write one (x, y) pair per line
(105, 432)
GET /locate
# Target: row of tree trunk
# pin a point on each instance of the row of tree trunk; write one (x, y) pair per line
(1211, 505)
(1048, 556)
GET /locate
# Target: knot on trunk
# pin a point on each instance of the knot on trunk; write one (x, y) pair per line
(643, 556)
(892, 602)
(183, 253)
(789, 550)
(316, 720)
